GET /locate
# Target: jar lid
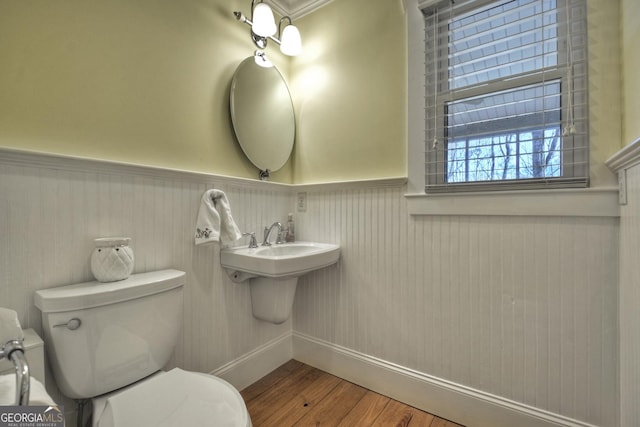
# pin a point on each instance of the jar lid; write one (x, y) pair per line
(105, 242)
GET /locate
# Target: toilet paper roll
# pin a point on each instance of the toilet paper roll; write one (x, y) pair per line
(10, 328)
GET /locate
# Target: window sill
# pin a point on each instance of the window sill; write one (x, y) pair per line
(593, 202)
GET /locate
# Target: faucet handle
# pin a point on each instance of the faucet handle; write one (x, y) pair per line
(253, 243)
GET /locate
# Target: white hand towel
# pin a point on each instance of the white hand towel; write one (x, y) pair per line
(214, 219)
(38, 396)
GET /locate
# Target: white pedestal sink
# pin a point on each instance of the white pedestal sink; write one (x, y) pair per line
(273, 273)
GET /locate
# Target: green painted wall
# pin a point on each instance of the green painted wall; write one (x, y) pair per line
(148, 82)
(349, 88)
(350, 91)
(143, 81)
(630, 16)
(605, 102)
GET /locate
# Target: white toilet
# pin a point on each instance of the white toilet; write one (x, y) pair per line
(109, 342)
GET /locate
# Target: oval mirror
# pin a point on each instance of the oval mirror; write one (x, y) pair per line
(262, 115)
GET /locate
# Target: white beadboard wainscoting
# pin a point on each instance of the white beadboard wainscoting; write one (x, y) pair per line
(627, 164)
(51, 209)
(487, 320)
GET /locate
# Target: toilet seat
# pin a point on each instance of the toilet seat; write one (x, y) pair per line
(175, 398)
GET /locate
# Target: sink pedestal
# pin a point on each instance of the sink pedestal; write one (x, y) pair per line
(272, 298)
(273, 271)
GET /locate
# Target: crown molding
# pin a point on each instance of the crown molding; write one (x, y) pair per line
(296, 8)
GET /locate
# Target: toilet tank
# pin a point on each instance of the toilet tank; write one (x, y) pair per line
(103, 336)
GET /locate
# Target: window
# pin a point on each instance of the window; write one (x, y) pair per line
(505, 95)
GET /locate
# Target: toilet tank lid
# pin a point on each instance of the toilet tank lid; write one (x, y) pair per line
(94, 294)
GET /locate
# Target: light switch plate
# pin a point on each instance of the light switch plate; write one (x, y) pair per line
(301, 202)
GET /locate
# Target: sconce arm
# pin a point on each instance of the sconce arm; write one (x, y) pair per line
(280, 25)
(240, 17)
(244, 20)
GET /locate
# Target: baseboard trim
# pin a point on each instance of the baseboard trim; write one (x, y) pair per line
(452, 401)
(254, 365)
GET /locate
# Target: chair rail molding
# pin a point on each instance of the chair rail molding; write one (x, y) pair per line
(627, 157)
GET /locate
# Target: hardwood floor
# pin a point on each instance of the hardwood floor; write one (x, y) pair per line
(296, 394)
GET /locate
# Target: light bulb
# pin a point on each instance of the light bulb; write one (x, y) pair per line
(291, 44)
(264, 24)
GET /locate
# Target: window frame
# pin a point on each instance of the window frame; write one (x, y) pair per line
(418, 182)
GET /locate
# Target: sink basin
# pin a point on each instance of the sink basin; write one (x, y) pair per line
(280, 261)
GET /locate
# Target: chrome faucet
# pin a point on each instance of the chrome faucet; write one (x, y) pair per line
(267, 233)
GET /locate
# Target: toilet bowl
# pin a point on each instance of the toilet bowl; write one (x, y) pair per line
(204, 400)
(109, 342)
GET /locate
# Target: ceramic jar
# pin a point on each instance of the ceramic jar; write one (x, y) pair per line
(112, 259)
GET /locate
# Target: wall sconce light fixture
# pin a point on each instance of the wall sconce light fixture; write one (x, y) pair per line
(263, 27)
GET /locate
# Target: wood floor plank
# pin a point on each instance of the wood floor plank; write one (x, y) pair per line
(366, 410)
(298, 394)
(421, 419)
(268, 381)
(439, 422)
(304, 402)
(333, 408)
(282, 392)
(394, 414)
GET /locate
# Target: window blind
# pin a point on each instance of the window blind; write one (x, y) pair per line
(506, 95)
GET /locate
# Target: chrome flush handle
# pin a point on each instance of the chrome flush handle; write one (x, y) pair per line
(72, 324)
